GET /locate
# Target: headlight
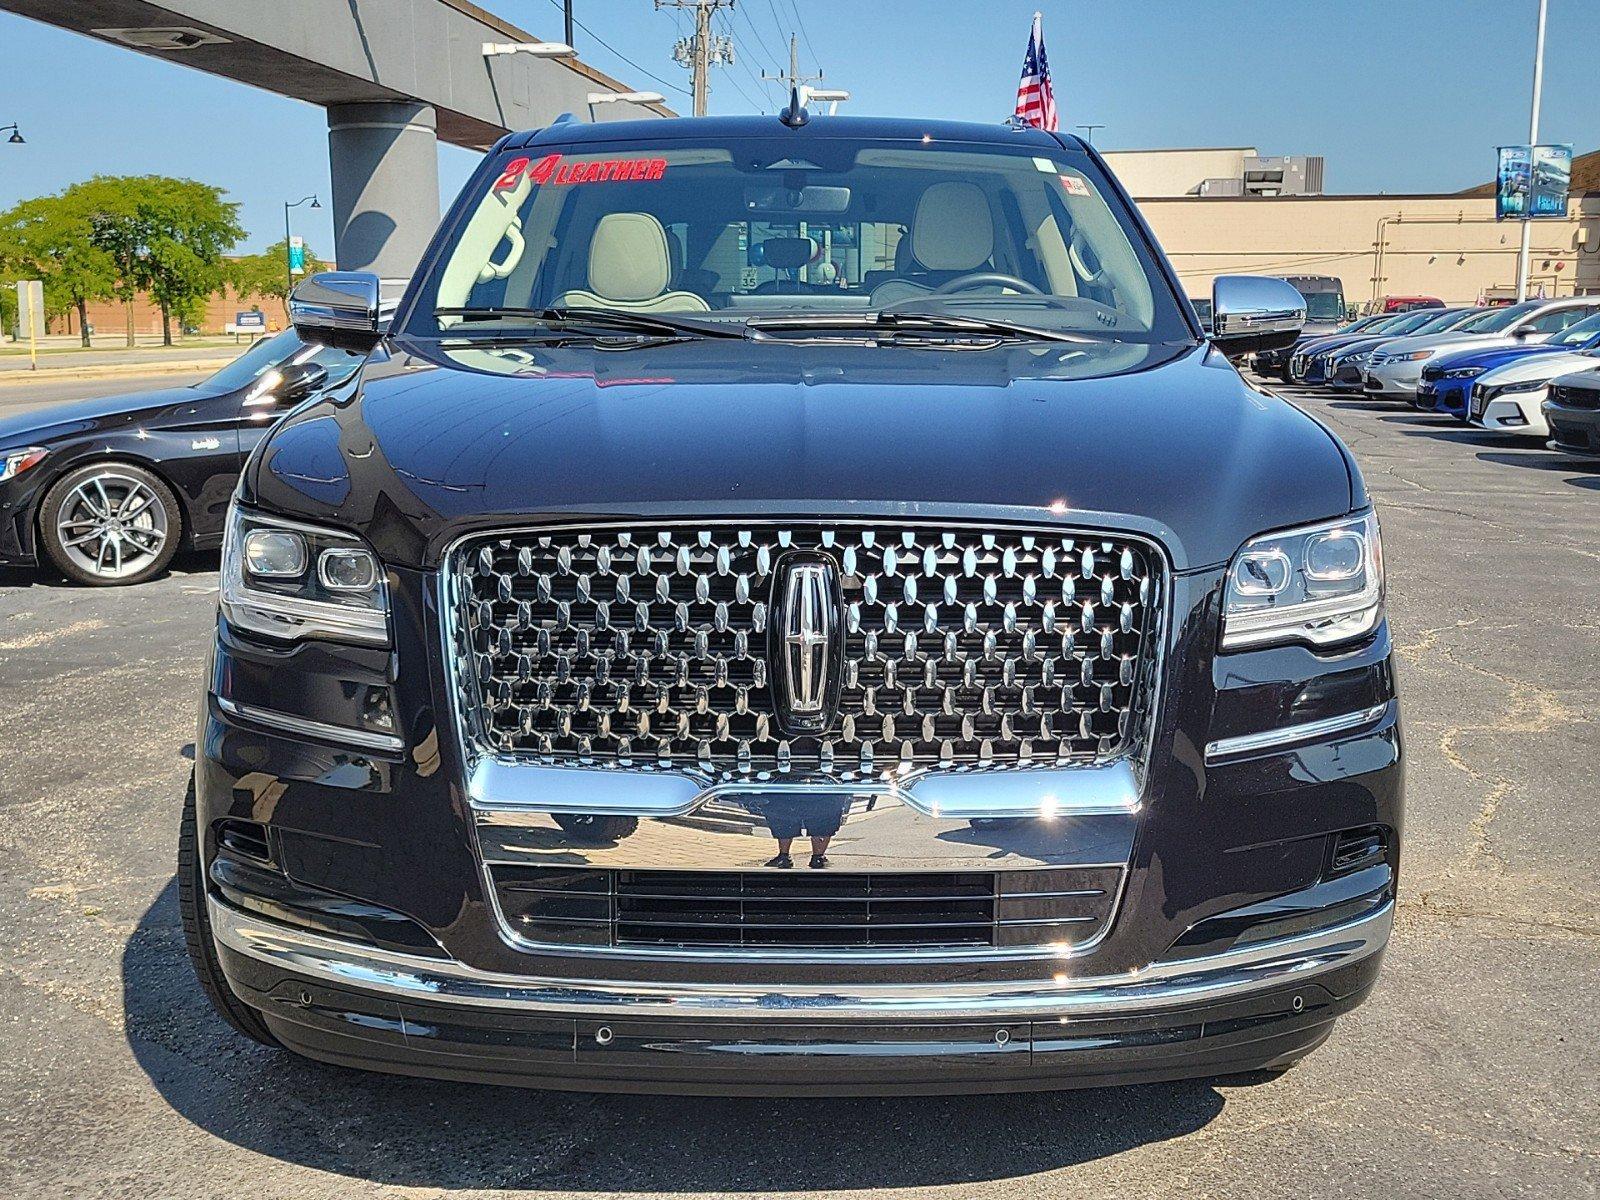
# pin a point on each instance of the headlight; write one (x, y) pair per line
(1523, 385)
(1321, 584)
(1462, 373)
(290, 580)
(15, 462)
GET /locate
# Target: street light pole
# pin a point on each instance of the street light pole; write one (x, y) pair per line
(1533, 140)
(1088, 132)
(288, 246)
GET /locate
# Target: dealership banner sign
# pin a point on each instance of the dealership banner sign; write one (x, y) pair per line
(1532, 182)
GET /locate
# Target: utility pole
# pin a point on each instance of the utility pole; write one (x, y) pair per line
(705, 48)
(1088, 132)
(1533, 140)
(567, 9)
(792, 79)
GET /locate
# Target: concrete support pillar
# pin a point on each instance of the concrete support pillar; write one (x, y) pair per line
(385, 164)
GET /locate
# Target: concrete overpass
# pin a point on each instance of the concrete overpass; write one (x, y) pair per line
(394, 75)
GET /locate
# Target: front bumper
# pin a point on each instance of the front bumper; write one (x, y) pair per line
(1576, 430)
(1399, 381)
(1514, 412)
(1241, 1010)
(1449, 396)
(375, 846)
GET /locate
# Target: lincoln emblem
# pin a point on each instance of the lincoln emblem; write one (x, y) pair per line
(807, 644)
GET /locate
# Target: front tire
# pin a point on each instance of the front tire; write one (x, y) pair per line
(197, 933)
(110, 524)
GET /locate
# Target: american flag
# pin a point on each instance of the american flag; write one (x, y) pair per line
(1036, 99)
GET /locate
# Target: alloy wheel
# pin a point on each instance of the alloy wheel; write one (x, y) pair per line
(112, 525)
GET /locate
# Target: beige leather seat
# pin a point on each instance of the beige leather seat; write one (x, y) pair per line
(952, 234)
(630, 269)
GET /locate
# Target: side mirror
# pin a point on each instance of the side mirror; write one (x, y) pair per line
(296, 381)
(338, 308)
(286, 385)
(1251, 314)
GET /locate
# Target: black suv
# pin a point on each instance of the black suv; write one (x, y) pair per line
(796, 605)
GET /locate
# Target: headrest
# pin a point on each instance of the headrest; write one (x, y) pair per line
(904, 264)
(628, 257)
(952, 230)
(787, 252)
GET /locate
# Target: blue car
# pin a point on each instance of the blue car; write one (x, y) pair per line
(1446, 385)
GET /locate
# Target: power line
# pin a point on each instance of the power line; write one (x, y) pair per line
(727, 25)
(683, 91)
(704, 49)
(767, 54)
(806, 37)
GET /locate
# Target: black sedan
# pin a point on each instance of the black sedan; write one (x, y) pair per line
(108, 490)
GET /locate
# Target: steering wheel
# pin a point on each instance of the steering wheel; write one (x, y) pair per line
(965, 283)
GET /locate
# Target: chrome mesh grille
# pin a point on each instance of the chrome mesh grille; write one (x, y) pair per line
(647, 644)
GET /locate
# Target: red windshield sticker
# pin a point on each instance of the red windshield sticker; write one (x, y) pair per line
(511, 175)
(1074, 185)
(550, 169)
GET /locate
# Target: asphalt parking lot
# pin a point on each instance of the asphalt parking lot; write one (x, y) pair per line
(1472, 1072)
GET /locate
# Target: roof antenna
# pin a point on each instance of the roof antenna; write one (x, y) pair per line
(795, 115)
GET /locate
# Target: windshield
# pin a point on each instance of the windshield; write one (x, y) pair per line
(1443, 320)
(1496, 319)
(277, 350)
(262, 356)
(1411, 322)
(775, 229)
(1576, 335)
(1324, 306)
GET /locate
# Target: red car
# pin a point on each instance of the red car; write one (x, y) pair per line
(1395, 304)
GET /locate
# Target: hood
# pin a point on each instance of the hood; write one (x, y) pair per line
(1548, 365)
(1323, 342)
(1489, 357)
(1440, 342)
(429, 442)
(60, 420)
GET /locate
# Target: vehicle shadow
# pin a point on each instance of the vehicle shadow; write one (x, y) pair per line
(183, 565)
(1583, 473)
(421, 1133)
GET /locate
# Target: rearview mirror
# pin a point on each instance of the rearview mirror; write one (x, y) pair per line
(337, 308)
(811, 198)
(1252, 313)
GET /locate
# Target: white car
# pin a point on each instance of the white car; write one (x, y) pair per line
(1507, 398)
(1395, 367)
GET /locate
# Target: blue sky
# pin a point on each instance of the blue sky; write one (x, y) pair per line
(1401, 96)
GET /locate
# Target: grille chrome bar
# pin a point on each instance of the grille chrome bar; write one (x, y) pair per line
(643, 646)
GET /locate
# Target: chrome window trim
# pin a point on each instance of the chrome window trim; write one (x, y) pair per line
(343, 734)
(423, 980)
(1288, 734)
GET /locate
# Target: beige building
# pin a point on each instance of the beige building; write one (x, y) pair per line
(1449, 246)
(1176, 172)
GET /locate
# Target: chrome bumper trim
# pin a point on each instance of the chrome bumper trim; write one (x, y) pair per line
(500, 785)
(1287, 734)
(271, 717)
(1195, 981)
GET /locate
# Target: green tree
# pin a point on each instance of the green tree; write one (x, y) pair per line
(167, 237)
(50, 238)
(267, 274)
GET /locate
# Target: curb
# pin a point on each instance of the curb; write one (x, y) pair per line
(111, 370)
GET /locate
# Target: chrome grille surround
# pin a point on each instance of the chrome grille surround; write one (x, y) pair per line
(643, 645)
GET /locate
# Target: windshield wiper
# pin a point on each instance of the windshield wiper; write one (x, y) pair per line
(889, 321)
(597, 318)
